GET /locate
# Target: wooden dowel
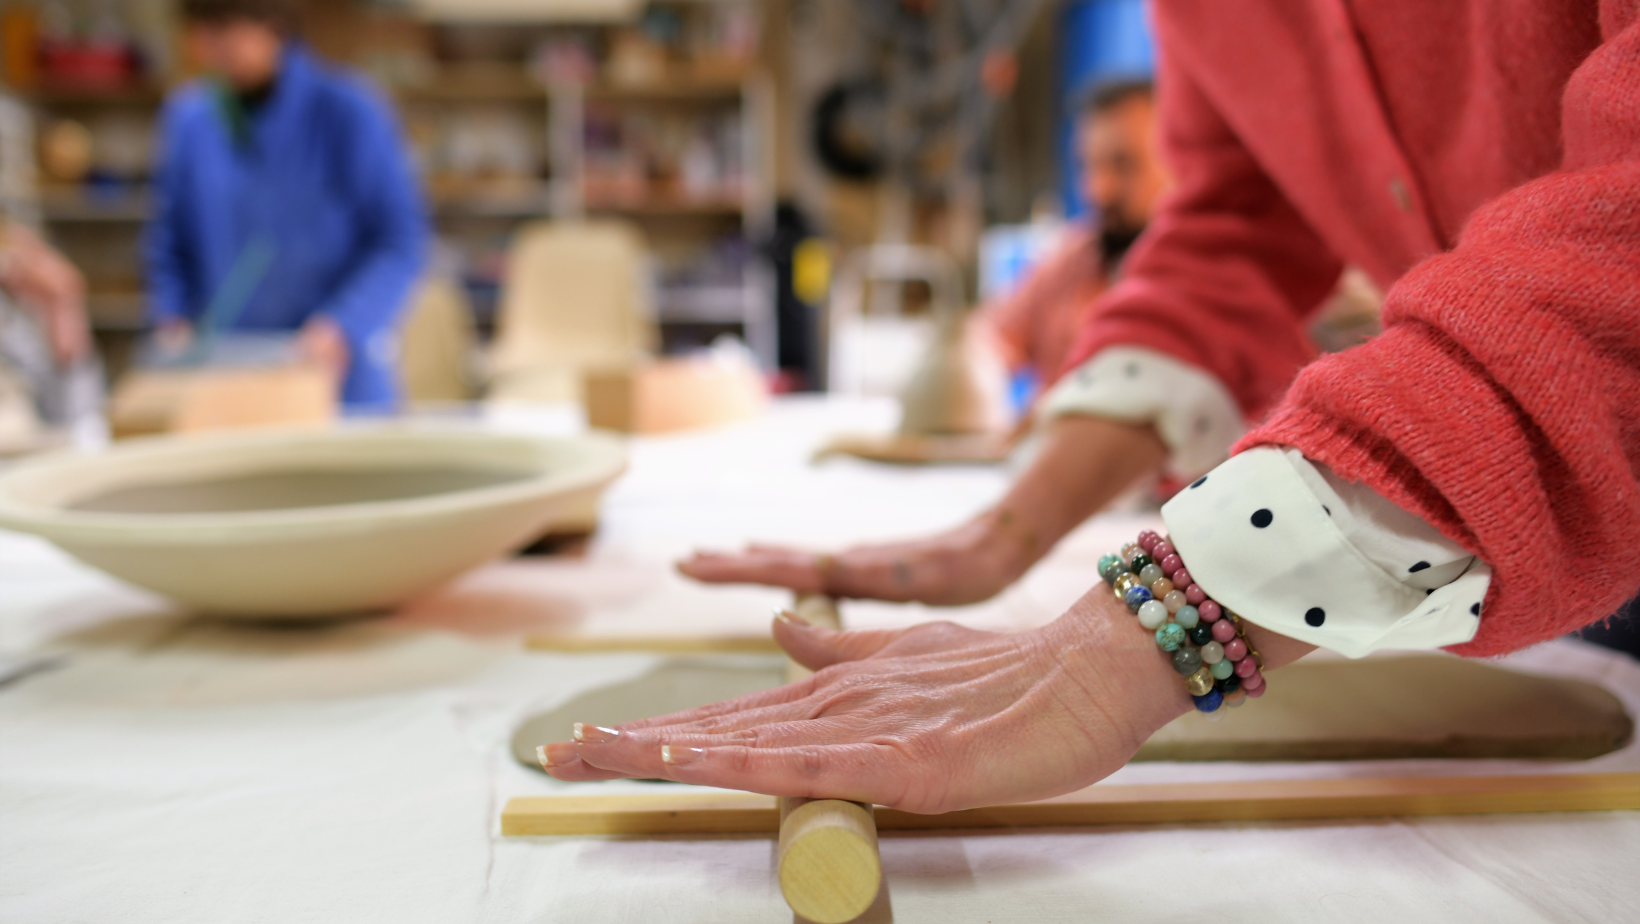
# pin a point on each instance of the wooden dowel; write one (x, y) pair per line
(830, 871)
(1167, 803)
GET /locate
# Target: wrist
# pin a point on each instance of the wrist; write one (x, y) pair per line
(1009, 540)
(1112, 654)
(1276, 649)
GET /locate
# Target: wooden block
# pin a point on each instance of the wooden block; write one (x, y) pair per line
(1167, 804)
(150, 401)
(670, 395)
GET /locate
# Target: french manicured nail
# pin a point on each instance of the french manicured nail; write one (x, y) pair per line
(788, 617)
(557, 754)
(677, 757)
(594, 734)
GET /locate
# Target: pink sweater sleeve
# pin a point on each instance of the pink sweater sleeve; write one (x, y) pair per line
(1227, 271)
(1502, 402)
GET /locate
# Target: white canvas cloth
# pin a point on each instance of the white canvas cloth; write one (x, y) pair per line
(177, 770)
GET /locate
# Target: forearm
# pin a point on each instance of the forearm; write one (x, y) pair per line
(1084, 463)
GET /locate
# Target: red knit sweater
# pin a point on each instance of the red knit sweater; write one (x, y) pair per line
(1481, 159)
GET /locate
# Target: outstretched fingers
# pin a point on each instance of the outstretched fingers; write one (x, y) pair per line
(858, 771)
(817, 647)
(730, 711)
(838, 755)
(561, 762)
(775, 567)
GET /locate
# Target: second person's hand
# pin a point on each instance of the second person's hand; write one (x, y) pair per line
(1084, 463)
(968, 564)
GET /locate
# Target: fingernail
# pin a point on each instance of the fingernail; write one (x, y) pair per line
(594, 734)
(788, 617)
(680, 756)
(541, 755)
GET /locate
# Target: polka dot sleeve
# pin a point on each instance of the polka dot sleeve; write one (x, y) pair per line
(1193, 414)
(1289, 546)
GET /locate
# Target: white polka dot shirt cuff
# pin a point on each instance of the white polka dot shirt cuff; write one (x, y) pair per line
(1193, 413)
(1290, 546)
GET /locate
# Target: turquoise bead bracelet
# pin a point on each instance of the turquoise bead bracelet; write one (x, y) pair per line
(1207, 643)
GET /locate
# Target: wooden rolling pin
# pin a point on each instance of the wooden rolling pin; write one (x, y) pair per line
(829, 868)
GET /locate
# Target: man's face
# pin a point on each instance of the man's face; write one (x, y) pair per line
(242, 52)
(1122, 175)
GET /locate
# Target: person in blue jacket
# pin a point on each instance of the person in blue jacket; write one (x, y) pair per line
(286, 201)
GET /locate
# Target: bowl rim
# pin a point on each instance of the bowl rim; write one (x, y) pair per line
(606, 462)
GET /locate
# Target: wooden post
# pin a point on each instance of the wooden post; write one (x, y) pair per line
(830, 871)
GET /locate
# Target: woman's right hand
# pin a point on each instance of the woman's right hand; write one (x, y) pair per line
(973, 562)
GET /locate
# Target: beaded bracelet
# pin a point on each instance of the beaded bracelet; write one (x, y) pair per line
(1208, 642)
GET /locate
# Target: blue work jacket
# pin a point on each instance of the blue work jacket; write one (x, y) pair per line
(317, 182)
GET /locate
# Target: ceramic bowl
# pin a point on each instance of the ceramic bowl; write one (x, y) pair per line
(304, 524)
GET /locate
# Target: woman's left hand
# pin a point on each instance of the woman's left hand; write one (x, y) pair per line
(929, 719)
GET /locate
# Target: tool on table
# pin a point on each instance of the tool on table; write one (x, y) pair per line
(830, 871)
(227, 303)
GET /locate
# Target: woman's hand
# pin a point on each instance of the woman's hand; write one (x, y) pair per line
(1083, 464)
(971, 563)
(929, 719)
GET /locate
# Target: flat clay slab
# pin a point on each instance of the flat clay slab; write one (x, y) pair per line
(1416, 706)
(1411, 706)
(921, 448)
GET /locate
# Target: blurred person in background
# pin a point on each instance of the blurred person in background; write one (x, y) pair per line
(49, 374)
(42, 281)
(1121, 177)
(286, 201)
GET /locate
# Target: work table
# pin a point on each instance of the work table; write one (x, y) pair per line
(176, 769)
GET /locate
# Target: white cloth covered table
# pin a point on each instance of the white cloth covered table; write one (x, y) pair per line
(173, 769)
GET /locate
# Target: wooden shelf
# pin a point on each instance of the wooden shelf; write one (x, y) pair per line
(668, 206)
(484, 86)
(75, 95)
(531, 203)
(683, 89)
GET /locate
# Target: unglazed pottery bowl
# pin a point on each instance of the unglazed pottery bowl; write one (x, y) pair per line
(307, 523)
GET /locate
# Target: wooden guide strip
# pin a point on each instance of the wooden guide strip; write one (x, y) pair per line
(1177, 803)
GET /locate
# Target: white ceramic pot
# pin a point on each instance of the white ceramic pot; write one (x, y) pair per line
(303, 524)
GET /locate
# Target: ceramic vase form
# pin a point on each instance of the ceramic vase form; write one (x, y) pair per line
(960, 386)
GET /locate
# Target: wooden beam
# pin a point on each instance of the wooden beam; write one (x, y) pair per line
(1171, 803)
